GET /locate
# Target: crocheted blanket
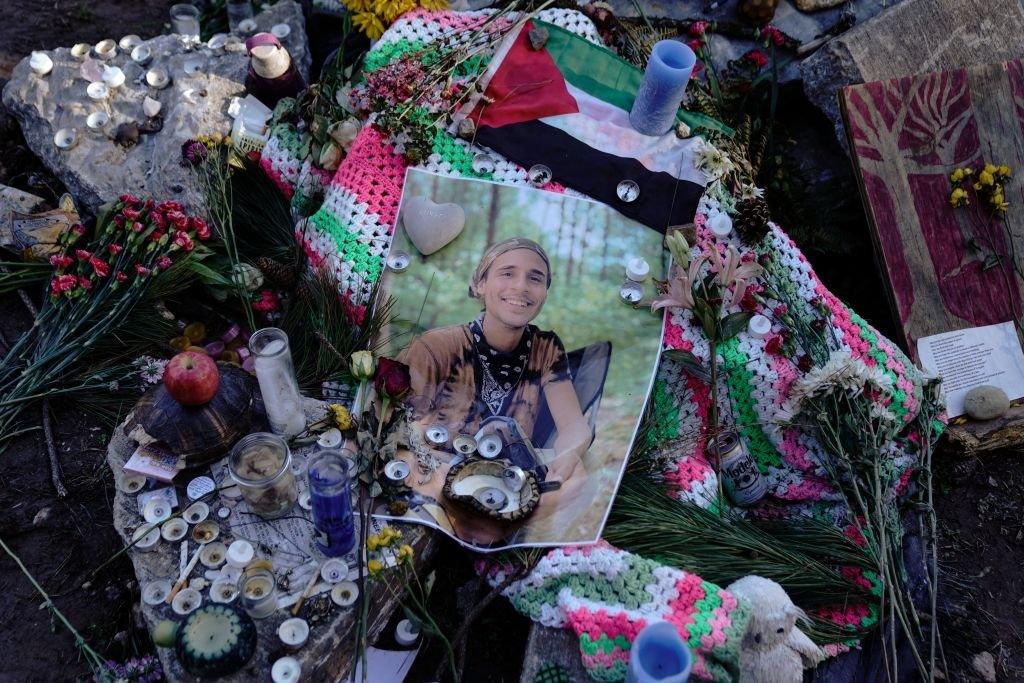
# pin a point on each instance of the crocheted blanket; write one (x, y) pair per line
(606, 595)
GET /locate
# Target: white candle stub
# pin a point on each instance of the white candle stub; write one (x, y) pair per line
(285, 670)
(334, 570)
(638, 269)
(406, 633)
(293, 632)
(240, 553)
(344, 594)
(721, 224)
(759, 326)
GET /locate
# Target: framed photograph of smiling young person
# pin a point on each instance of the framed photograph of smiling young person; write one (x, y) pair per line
(529, 373)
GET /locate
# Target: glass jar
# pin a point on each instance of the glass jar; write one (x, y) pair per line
(261, 466)
(238, 11)
(185, 20)
(276, 375)
(257, 590)
(331, 498)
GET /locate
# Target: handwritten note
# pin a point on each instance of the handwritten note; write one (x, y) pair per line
(974, 357)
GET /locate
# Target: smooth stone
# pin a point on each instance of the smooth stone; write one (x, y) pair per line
(99, 169)
(151, 107)
(986, 403)
(431, 226)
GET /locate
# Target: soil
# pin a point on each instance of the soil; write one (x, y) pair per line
(62, 541)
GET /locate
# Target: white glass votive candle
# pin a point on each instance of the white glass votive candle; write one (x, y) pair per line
(276, 376)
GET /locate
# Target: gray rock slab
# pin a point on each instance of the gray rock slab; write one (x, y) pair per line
(327, 655)
(914, 37)
(97, 169)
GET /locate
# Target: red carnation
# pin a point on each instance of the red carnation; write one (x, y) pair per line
(101, 267)
(168, 205)
(695, 44)
(156, 235)
(163, 263)
(773, 34)
(118, 220)
(149, 204)
(141, 270)
(698, 28)
(128, 198)
(78, 229)
(61, 261)
(131, 214)
(83, 255)
(121, 277)
(114, 249)
(159, 219)
(200, 226)
(62, 283)
(138, 227)
(85, 283)
(268, 302)
(184, 241)
(781, 310)
(757, 58)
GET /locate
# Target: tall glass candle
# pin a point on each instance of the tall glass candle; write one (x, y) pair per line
(331, 498)
(661, 91)
(276, 375)
(185, 20)
(658, 655)
(238, 11)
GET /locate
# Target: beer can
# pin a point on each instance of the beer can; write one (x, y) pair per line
(741, 479)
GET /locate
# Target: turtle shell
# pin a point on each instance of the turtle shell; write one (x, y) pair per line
(200, 434)
(215, 641)
(478, 485)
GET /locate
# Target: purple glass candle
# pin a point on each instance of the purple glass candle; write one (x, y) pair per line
(331, 498)
(658, 655)
(661, 91)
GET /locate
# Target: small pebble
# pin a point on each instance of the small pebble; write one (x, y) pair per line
(986, 403)
(538, 37)
(42, 517)
(984, 664)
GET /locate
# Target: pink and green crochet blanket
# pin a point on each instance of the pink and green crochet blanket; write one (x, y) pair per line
(605, 595)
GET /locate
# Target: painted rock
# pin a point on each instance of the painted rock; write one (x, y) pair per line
(432, 226)
(986, 403)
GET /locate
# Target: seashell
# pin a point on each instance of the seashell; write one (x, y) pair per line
(40, 63)
(113, 76)
(65, 138)
(158, 78)
(80, 50)
(129, 42)
(105, 49)
(97, 91)
(141, 54)
(97, 120)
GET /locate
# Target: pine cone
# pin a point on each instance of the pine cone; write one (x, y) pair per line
(278, 273)
(751, 220)
(305, 291)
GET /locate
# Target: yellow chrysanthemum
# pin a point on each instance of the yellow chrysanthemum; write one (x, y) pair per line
(390, 10)
(370, 24)
(354, 6)
(990, 169)
(373, 542)
(342, 418)
(957, 175)
(1004, 171)
(405, 553)
(375, 567)
(434, 5)
(987, 177)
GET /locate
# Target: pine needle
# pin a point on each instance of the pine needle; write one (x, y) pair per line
(262, 216)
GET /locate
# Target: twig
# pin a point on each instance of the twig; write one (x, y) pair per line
(305, 592)
(51, 451)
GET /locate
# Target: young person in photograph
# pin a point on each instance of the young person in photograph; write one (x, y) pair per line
(500, 364)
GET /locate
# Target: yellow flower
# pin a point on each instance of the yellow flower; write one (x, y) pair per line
(342, 418)
(370, 24)
(434, 4)
(986, 177)
(990, 169)
(976, 186)
(405, 553)
(373, 542)
(999, 203)
(1004, 171)
(957, 175)
(392, 9)
(357, 5)
(375, 567)
(958, 197)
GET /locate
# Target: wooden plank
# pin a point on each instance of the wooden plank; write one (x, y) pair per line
(906, 136)
(552, 646)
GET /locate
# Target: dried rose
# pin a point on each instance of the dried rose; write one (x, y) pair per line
(392, 379)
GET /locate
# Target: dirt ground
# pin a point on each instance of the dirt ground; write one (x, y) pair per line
(979, 501)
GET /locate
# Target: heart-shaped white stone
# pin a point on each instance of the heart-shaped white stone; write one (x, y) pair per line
(432, 226)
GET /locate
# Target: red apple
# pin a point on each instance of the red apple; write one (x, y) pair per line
(191, 378)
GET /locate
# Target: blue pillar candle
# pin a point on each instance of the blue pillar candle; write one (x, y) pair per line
(661, 91)
(658, 655)
(331, 499)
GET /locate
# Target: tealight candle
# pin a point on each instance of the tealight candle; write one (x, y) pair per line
(113, 76)
(285, 670)
(174, 530)
(80, 50)
(661, 91)
(223, 590)
(146, 540)
(158, 78)
(213, 555)
(186, 601)
(720, 224)
(759, 326)
(97, 90)
(344, 594)
(129, 41)
(155, 592)
(658, 655)
(65, 138)
(293, 632)
(638, 269)
(240, 553)
(396, 471)
(97, 120)
(406, 633)
(196, 512)
(105, 49)
(141, 54)
(334, 570)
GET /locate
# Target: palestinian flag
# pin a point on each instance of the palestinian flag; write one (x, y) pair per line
(566, 106)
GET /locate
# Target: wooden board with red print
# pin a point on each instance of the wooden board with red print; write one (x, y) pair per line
(947, 268)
